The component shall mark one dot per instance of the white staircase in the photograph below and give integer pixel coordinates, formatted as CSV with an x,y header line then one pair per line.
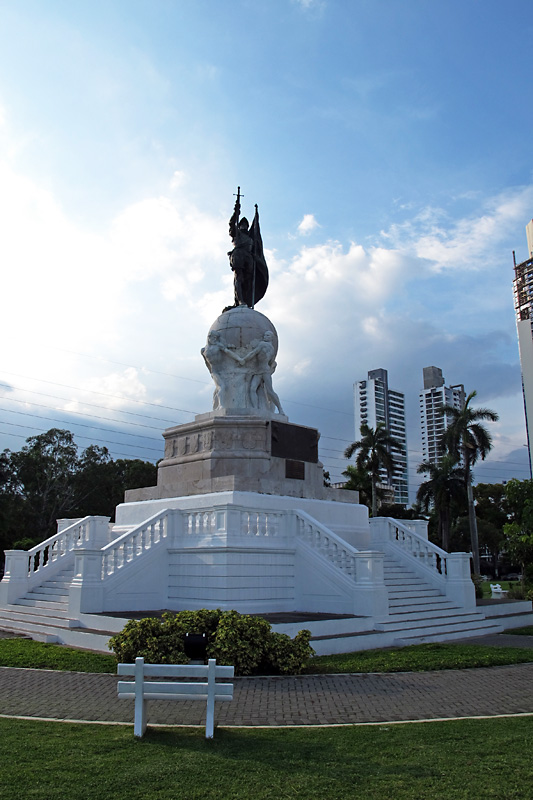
x,y
42,615
403,591
419,613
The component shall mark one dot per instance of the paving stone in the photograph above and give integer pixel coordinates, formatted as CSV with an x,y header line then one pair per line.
x,y
306,700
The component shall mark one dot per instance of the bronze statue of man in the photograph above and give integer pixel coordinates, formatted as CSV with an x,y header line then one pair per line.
x,y
247,259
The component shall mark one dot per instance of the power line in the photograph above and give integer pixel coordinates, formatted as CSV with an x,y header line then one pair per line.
x,y
79,424
103,394
85,438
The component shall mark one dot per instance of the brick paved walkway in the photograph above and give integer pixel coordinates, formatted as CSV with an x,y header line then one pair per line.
x,y
304,700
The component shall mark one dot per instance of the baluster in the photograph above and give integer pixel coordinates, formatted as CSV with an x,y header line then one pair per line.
x,y
251,524
272,523
262,525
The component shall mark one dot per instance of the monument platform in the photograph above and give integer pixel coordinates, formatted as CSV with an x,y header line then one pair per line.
x,y
237,450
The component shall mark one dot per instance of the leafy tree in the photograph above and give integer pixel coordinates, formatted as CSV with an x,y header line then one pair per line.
x,y
444,486
359,481
466,438
397,511
41,474
519,530
374,454
492,513
47,480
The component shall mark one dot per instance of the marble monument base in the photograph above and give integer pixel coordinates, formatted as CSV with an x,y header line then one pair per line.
x,y
236,450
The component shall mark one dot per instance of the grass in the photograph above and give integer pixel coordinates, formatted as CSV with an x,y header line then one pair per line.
x,y
415,658
456,760
38,655
421,658
526,631
506,585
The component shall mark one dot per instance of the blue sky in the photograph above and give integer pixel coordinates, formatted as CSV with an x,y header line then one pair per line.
x,y
386,142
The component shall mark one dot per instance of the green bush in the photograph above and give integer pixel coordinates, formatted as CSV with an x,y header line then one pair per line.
x,y
26,543
246,642
516,592
477,580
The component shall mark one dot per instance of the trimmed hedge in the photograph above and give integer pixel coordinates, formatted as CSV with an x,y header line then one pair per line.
x,y
246,642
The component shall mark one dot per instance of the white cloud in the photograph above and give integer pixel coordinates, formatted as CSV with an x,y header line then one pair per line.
x,y
464,243
114,390
307,224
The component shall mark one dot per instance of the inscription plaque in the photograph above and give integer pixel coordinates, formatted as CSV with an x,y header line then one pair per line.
x,y
294,442
295,469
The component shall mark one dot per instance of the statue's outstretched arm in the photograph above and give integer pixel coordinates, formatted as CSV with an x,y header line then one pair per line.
x,y
236,358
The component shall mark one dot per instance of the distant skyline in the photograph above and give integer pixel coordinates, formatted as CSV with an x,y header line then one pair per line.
x,y
387,145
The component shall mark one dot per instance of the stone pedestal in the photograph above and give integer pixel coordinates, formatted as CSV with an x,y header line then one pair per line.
x,y
235,450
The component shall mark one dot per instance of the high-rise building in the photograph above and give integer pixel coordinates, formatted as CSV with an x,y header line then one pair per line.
x,y
434,396
523,303
374,403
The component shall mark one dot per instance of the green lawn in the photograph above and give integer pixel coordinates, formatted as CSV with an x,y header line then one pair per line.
x,y
37,655
506,585
427,761
421,658
416,658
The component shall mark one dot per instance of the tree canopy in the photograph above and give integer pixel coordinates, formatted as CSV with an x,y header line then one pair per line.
x,y
466,438
373,454
48,479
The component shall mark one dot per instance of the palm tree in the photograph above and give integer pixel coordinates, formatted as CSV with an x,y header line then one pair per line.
x,y
446,484
374,454
466,438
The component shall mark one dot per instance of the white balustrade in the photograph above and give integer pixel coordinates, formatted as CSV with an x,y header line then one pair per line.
x,y
200,523
426,552
331,547
450,572
260,523
132,544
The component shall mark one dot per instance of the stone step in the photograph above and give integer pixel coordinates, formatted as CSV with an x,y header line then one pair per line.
x,y
44,603
403,603
422,612
407,592
14,616
51,591
405,583
437,627
423,638
56,584
422,621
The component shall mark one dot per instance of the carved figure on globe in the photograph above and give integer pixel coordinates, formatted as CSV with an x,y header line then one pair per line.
x,y
242,344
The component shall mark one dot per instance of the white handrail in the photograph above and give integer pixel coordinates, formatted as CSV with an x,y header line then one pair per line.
x,y
423,551
135,542
337,551
58,546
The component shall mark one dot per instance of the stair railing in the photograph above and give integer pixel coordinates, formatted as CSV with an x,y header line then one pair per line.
x,y
449,572
134,543
26,568
363,568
